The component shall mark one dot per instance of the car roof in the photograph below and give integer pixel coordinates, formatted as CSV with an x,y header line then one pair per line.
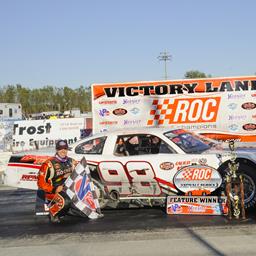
x,y
138,130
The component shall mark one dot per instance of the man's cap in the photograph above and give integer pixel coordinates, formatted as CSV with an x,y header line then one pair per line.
x,y
61,144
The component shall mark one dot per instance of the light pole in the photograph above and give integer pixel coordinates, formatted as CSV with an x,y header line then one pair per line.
x,y
165,56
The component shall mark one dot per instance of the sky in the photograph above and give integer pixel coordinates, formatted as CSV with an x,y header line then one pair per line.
x,y
80,42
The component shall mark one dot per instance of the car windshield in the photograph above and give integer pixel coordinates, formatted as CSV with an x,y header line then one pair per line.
x,y
187,141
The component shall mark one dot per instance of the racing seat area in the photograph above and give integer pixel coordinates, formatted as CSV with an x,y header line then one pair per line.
x,y
142,144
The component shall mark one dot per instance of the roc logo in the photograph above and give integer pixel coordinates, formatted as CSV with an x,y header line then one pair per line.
x,y
197,177
197,174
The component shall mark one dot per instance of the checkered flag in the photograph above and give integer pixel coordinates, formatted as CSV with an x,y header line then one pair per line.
x,y
80,189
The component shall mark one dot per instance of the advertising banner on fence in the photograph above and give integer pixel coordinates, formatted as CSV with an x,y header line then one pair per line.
x,y
35,134
222,108
6,130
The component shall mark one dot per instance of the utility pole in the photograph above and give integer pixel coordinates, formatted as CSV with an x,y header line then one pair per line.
x,y
165,56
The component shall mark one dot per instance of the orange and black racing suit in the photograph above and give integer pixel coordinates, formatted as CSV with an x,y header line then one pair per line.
x,y
52,174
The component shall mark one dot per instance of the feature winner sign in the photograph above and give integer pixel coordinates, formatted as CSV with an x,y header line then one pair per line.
x,y
221,108
197,205
195,181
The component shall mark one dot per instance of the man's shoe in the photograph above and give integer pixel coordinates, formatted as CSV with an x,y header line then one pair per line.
x,y
54,219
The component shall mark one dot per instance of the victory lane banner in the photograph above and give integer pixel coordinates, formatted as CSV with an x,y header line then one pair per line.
x,y
222,108
197,205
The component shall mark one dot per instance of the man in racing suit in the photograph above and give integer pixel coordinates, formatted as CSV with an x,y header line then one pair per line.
x,y
51,178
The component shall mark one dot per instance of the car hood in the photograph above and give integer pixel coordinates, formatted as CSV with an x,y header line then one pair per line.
x,y
245,150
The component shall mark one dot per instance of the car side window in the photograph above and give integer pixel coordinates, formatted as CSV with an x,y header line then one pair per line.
x,y
165,148
94,146
141,144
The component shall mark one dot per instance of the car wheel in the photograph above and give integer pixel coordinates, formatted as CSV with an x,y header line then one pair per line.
x,y
99,190
249,179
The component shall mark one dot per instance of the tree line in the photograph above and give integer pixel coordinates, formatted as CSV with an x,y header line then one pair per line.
x,y
50,98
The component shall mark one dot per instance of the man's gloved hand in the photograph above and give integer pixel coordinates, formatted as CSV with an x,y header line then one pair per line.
x,y
59,189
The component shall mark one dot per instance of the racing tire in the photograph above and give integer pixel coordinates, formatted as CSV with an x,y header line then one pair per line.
x,y
99,189
249,179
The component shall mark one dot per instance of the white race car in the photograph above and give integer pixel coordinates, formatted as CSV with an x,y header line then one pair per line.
x,y
139,166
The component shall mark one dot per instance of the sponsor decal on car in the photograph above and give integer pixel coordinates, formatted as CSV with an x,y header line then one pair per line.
x,y
202,161
35,159
249,127
249,105
120,112
197,177
166,166
29,177
183,163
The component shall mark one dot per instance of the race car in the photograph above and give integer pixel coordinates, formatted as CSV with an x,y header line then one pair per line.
x,y
139,165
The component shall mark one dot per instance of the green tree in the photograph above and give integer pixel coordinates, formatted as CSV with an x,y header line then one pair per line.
x,y
195,74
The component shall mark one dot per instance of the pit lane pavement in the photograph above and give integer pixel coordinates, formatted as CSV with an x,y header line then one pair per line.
x,y
121,232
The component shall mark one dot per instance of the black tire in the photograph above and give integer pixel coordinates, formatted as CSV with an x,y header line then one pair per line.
x,y
99,189
249,179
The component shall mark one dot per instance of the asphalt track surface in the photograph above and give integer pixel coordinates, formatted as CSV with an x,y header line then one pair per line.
x,y
126,232
17,219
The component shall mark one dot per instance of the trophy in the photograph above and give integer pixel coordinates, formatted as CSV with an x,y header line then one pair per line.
x,y
234,187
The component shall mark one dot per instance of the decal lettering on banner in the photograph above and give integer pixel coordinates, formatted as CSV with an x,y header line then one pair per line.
x,y
184,110
35,134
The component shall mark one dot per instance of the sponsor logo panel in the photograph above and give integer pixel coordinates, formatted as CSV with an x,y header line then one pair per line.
x,y
233,127
192,110
232,106
196,178
249,127
132,122
239,96
119,111
108,123
135,111
131,101
249,105
108,102
237,117
104,112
